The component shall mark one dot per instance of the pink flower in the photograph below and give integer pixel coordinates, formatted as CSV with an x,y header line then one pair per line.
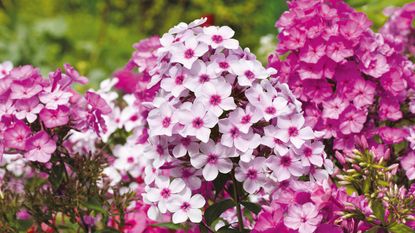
x,y
28,109
187,207
55,118
334,107
175,84
52,99
165,192
283,167
293,130
220,37
214,158
16,136
40,147
97,103
271,140
162,120
188,52
303,218
201,74
197,121
232,136
24,91
408,164
312,153
216,96
248,71
251,174
352,121
5,68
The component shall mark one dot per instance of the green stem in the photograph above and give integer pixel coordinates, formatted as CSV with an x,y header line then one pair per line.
x,y
238,203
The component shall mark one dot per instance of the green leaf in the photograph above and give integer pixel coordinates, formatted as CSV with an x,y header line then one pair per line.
x,y
56,176
373,229
254,208
94,204
378,210
214,211
227,230
220,182
109,230
366,186
400,228
168,225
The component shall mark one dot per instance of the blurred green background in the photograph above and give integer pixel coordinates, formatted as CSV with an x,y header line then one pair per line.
x,y
96,36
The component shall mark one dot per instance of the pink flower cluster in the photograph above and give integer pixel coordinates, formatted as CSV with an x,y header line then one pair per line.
x,y
399,30
214,111
36,112
349,79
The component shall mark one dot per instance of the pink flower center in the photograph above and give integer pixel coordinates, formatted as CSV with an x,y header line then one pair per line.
x,y
212,159
270,110
160,150
186,142
204,78
179,80
186,173
308,152
286,161
189,53
252,174
277,141
215,100
166,122
249,74
185,206
303,219
293,131
4,72
223,65
234,132
197,123
130,159
133,118
246,119
165,193
217,39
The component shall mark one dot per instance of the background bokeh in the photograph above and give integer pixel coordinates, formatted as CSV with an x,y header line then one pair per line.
x,y
96,36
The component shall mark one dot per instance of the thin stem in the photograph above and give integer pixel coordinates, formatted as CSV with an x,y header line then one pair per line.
x,y
238,205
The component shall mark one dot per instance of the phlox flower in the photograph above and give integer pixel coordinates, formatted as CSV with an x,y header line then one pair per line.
x,y
248,71
352,120
216,96
53,98
40,147
293,130
200,73
186,207
197,121
283,167
312,153
54,118
245,118
304,218
188,52
5,68
175,84
233,137
16,136
28,109
162,120
165,192
408,164
251,174
219,37
271,140
214,158
24,91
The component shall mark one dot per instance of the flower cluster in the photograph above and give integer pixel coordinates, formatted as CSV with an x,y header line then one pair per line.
x,y
35,111
399,30
214,112
350,79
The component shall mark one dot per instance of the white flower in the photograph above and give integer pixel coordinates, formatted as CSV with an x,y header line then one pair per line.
x,y
248,71
162,120
197,121
213,158
165,192
283,167
303,218
219,37
251,174
188,52
187,207
5,68
216,96
291,129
